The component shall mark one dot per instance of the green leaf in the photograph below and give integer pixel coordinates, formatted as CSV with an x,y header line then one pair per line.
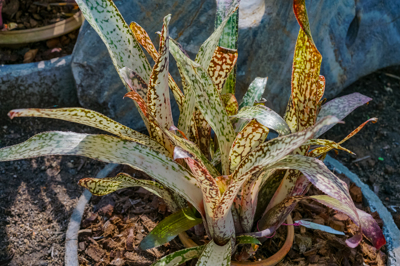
x,y
124,50
158,100
93,119
107,185
341,107
208,102
229,38
264,116
207,49
214,254
254,92
179,257
243,239
111,150
170,227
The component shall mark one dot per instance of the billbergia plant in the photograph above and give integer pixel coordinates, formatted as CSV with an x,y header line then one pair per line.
x,y
215,166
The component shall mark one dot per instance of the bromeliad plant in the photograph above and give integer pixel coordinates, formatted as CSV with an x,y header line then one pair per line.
x,y
231,180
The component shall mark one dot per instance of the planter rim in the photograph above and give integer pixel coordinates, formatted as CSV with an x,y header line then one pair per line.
x,y
271,261
41,33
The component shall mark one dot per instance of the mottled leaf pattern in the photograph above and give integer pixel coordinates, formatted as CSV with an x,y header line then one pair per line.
x,y
158,100
110,150
107,185
321,88
179,257
208,102
265,154
243,239
266,117
134,82
203,132
107,21
299,9
254,92
341,107
207,49
327,144
214,254
143,38
221,64
231,104
93,119
170,227
251,136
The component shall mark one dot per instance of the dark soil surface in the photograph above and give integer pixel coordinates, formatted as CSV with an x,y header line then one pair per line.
x,y
377,146
37,196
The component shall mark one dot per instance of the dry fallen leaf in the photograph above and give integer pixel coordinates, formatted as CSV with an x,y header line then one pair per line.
x,y
30,55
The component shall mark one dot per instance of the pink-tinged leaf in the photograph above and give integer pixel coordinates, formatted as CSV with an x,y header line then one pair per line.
x,y
319,175
323,150
107,185
369,226
254,92
138,100
221,64
264,116
93,119
251,136
158,100
208,102
143,38
265,154
231,104
134,82
111,149
207,49
341,107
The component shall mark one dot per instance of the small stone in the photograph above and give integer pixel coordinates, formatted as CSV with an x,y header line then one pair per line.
x,y
33,22
37,17
303,242
53,43
389,169
340,217
355,193
70,165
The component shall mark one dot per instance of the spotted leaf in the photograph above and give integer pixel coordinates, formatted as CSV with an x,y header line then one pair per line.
x,y
214,254
221,64
179,257
231,104
254,92
327,144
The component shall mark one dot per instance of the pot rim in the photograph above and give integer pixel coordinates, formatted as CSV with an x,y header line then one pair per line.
x,y
41,33
271,261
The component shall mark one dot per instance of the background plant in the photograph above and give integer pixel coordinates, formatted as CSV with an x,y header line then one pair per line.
x,y
215,166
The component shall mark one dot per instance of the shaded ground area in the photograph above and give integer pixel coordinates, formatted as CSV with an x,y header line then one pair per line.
x,y
377,146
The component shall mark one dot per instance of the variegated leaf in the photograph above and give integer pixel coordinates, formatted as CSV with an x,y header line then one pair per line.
x,y
319,175
179,257
140,102
107,21
143,38
327,144
251,136
158,100
216,159
111,150
300,12
321,88
134,82
368,225
170,227
244,239
341,107
214,254
208,102
231,104
190,147
221,64
254,92
107,185
265,154
229,38
203,132
323,150
207,49
264,116
93,119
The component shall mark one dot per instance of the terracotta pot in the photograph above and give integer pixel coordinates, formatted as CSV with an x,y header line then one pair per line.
x,y
271,261
12,38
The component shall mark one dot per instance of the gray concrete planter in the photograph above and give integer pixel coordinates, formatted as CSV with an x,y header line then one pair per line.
x,y
390,230
41,85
